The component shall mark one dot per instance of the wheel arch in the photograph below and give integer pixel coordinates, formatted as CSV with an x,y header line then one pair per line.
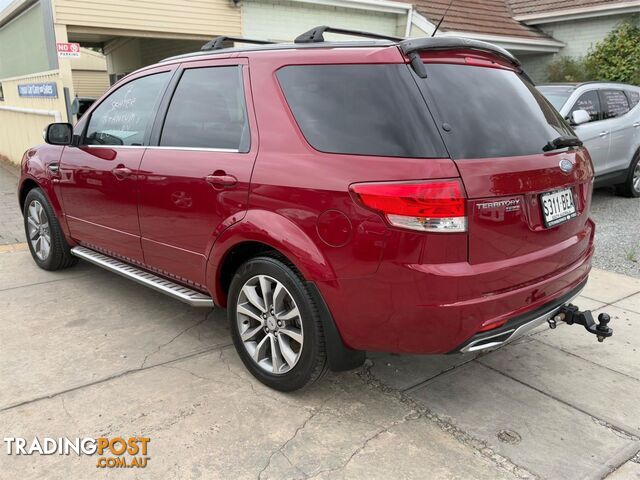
x,y
249,238
258,232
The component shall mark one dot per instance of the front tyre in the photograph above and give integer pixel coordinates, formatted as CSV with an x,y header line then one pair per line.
x,y
46,241
275,324
631,186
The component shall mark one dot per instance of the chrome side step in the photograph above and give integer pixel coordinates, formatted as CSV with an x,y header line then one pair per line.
x,y
179,292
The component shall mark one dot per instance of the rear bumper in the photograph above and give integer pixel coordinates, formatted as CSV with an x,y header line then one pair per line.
x,y
405,309
518,326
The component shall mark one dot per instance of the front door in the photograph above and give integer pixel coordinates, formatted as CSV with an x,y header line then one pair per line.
x,y
98,182
594,134
194,181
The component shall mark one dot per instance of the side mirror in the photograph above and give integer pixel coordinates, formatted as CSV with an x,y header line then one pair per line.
x,y
578,117
59,134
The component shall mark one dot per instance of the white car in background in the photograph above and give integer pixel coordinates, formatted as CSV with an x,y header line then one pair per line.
x,y
606,117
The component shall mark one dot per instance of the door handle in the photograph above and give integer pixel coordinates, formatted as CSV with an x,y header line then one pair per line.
x,y
637,124
221,180
54,167
603,134
121,172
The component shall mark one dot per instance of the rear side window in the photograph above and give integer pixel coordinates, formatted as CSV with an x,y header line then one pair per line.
x,y
590,102
208,110
634,98
491,112
361,109
614,103
124,116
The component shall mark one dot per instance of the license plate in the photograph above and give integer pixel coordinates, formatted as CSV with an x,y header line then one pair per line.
x,y
557,207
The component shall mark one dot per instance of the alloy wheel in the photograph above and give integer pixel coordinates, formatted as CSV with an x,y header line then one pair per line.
x,y
38,229
635,182
269,324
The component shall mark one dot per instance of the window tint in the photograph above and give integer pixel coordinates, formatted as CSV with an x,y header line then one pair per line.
x,y
590,102
634,97
492,112
361,109
614,103
123,117
208,110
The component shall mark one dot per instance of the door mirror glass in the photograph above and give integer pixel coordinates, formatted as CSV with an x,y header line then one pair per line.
x,y
59,134
578,117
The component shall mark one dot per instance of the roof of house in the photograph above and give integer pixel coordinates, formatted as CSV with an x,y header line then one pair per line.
x,y
526,7
490,17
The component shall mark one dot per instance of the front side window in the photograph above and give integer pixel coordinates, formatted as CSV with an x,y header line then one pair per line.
x,y
590,102
124,116
208,110
361,110
614,103
491,112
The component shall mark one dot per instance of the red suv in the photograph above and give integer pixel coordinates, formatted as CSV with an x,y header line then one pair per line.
x,y
410,196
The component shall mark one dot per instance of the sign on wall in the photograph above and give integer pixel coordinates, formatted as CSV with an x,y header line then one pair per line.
x,y
68,50
40,90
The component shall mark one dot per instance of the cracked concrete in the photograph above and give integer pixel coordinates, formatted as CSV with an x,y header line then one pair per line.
x,y
94,354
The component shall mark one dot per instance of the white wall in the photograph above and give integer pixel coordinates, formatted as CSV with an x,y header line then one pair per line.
x,y
283,20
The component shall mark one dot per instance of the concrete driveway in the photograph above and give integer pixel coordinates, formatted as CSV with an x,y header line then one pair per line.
x,y
85,353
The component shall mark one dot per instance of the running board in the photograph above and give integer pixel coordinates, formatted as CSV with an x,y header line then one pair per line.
x,y
179,292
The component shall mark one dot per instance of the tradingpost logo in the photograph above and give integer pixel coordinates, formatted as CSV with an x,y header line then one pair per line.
x,y
115,452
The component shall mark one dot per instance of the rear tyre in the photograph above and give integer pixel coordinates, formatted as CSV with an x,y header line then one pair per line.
x,y
275,324
46,241
631,186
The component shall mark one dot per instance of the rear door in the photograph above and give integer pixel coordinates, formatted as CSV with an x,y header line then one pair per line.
x,y
496,126
99,178
594,134
195,175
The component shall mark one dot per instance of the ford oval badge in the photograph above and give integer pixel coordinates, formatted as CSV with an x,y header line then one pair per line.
x,y
566,165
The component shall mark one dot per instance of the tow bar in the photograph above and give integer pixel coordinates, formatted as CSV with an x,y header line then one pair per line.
x,y
570,314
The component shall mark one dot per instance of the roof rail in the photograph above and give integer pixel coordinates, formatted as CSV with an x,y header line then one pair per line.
x,y
217,43
316,34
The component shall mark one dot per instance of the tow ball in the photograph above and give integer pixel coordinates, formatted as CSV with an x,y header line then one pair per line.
x,y
570,314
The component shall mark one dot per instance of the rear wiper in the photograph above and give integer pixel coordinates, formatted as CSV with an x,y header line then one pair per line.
x,y
561,142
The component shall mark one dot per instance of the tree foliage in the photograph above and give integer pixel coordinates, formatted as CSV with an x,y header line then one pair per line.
x,y
616,58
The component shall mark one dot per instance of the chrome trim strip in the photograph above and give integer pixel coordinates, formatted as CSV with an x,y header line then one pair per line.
x,y
162,285
482,345
156,147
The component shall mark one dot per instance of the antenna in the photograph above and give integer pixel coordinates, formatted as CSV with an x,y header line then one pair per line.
x,y
444,15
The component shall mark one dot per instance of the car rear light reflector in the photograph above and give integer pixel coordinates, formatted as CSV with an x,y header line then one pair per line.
x,y
427,206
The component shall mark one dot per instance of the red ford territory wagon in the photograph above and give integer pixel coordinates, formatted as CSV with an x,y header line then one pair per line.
x,y
410,196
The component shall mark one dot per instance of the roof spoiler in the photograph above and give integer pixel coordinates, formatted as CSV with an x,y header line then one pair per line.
x,y
412,46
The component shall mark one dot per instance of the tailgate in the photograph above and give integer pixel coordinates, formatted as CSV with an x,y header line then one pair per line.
x,y
506,220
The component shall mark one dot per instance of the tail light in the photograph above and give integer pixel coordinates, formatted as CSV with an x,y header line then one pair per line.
x,y
426,206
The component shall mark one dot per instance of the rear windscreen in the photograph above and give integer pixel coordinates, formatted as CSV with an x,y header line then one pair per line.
x,y
361,109
491,112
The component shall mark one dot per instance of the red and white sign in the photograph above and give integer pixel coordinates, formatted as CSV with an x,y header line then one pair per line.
x,y
68,50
